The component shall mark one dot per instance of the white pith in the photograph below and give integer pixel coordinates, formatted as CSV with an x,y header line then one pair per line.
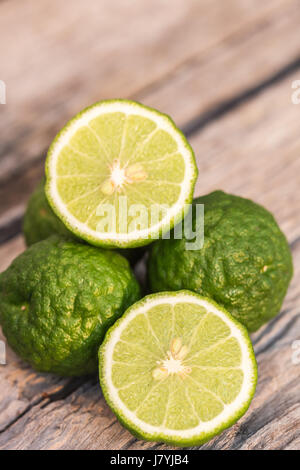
x,y
173,363
163,123
118,176
229,410
122,175
173,366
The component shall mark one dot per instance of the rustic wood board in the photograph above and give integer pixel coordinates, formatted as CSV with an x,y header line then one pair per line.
x,y
243,145
215,60
252,150
86,51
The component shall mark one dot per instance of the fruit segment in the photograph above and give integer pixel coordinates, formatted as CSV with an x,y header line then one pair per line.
x,y
120,174
177,368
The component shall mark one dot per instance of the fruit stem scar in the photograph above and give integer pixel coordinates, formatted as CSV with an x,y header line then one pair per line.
x,y
173,364
119,176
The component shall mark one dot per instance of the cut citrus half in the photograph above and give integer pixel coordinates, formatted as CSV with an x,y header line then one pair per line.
x,y
177,368
120,174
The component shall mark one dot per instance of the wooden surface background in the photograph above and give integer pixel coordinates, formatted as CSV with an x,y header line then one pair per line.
x,y
223,71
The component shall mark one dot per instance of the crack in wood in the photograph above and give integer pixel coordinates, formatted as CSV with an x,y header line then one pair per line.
x,y
281,333
10,229
226,106
287,443
72,386
294,244
46,399
129,443
36,402
271,325
264,415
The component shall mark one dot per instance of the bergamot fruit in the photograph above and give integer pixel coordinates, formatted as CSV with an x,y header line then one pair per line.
x,y
120,174
57,300
41,222
245,263
177,368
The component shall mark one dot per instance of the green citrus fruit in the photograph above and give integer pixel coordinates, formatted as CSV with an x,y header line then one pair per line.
x,y
41,222
177,368
120,174
245,263
58,298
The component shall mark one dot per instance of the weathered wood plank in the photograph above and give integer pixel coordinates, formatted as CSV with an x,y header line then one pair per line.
x,y
10,250
86,51
252,151
245,59
83,421
58,42
212,72
20,386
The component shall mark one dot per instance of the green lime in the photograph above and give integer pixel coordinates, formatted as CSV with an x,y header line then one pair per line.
x,y
57,300
177,368
245,263
41,222
120,174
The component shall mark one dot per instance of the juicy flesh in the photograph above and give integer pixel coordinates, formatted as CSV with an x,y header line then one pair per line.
x,y
177,366
117,155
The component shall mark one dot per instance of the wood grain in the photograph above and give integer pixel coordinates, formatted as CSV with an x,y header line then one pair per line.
x,y
253,151
243,61
86,51
212,49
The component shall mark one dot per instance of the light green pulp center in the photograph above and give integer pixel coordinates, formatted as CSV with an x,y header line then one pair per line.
x,y
113,156
177,366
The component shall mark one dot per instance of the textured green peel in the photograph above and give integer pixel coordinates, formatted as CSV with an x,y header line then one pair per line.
x,y
58,298
245,263
40,222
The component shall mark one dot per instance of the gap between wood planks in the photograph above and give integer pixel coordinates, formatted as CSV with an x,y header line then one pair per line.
x,y
235,54
9,229
45,399
170,39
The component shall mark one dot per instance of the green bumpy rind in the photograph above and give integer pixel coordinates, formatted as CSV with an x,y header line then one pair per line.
x,y
57,300
40,222
245,263
180,442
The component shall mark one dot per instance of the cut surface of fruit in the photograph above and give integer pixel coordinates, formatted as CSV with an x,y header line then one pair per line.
x,y
177,368
120,174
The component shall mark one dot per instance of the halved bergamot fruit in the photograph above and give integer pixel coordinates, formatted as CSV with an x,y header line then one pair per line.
x,y
120,174
177,368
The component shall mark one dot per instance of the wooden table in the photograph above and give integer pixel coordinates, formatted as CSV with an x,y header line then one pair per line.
x,y
224,72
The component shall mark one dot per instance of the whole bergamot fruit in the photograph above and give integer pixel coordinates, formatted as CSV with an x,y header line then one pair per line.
x,y
245,263
57,300
41,222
